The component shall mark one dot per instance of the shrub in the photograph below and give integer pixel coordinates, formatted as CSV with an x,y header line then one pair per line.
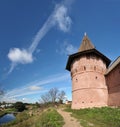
x,y
19,106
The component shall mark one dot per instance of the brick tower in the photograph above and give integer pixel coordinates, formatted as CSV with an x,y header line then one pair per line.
x,y
87,68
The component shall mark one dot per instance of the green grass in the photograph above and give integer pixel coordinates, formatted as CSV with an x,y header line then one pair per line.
x,y
2,113
5,111
47,118
50,118
97,117
10,110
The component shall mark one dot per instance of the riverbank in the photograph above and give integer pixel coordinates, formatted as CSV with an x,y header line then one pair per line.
x,y
7,111
2,113
39,118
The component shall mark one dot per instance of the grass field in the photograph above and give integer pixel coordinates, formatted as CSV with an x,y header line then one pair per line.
x,y
2,113
47,118
97,117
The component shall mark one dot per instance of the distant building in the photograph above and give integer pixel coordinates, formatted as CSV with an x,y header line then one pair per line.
x,y
94,82
68,102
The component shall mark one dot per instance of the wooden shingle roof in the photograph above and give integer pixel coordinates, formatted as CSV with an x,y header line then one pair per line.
x,y
86,47
86,44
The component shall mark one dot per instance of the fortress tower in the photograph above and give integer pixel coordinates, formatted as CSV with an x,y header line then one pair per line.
x,y
88,67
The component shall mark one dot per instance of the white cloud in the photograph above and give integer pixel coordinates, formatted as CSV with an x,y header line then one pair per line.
x,y
35,87
59,17
17,55
67,48
62,19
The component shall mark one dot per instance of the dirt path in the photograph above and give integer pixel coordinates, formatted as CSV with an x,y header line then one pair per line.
x,y
69,121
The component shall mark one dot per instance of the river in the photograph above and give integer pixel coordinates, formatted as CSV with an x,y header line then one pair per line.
x,y
7,118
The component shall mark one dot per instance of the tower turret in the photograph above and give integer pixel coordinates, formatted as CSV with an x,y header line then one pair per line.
x,y
87,68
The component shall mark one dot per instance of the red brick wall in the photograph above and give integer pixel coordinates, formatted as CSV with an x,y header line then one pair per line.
x,y
113,82
88,82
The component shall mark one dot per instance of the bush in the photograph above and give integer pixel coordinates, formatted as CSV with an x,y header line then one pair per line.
x,y
19,106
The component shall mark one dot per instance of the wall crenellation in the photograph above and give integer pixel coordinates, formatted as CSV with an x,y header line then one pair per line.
x,y
85,64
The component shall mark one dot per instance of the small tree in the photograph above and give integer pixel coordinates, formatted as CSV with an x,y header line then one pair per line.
x,y
37,104
45,98
61,97
53,94
20,106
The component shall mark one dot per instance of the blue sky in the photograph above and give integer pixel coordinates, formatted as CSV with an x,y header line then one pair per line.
x,y
36,37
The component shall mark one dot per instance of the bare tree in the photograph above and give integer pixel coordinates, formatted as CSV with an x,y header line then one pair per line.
x,y
53,94
45,98
61,96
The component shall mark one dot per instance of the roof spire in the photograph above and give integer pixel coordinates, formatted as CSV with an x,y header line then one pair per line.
x,y
86,44
85,34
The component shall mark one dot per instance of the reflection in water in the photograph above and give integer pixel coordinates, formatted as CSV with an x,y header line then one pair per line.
x,y
7,118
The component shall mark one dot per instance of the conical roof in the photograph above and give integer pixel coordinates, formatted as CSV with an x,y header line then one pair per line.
x,y
86,44
86,47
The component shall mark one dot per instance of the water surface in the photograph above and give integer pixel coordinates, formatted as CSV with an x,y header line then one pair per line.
x,y
7,118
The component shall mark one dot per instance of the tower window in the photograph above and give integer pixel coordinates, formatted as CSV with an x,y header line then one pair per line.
x,y
75,70
88,57
84,68
94,67
93,56
76,79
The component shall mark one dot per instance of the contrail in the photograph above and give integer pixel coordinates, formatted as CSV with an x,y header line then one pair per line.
x,y
41,33
52,21
58,17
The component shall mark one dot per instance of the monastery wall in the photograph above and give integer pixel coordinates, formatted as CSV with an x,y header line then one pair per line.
x,y
113,82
